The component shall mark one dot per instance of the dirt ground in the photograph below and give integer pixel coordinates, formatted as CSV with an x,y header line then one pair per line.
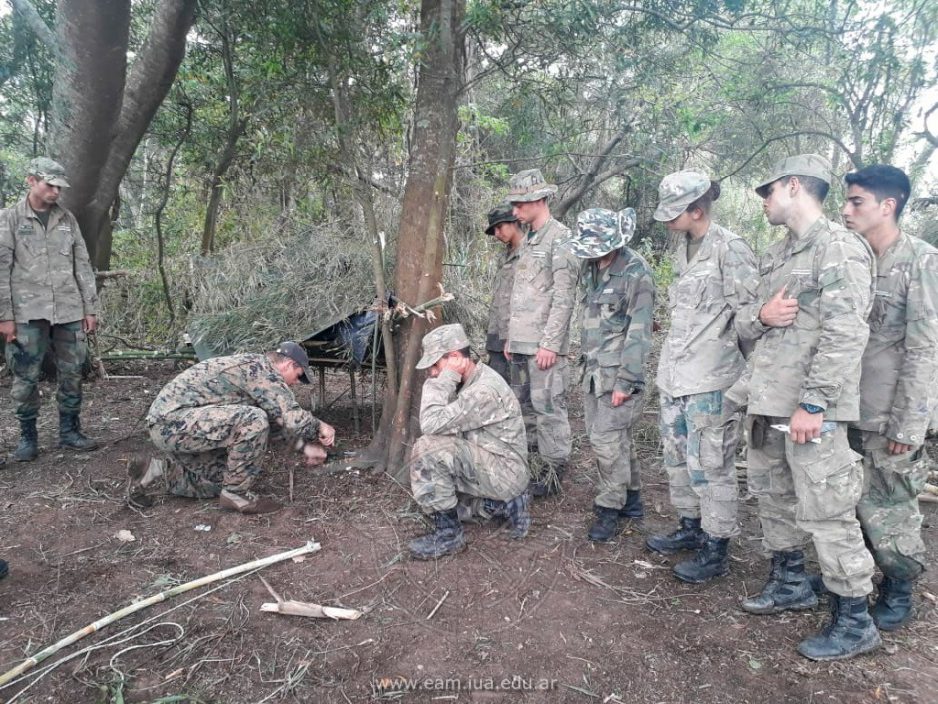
x,y
551,618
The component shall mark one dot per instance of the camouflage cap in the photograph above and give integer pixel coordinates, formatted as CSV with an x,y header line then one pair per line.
x,y
529,185
498,215
52,172
677,191
439,341
801,165
600,231
296,352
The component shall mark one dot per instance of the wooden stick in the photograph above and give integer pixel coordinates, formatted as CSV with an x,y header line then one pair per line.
x,y
438,605
310,547
289,607
928,498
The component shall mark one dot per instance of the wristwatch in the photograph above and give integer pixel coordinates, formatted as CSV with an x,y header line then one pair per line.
x,y
811,408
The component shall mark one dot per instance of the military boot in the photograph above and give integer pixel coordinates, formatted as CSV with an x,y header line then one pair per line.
x,y
850,632
548,483
142,473
606,524
688,536
28,448
708,562
247,502
518,513
787,589
634,508
70,434
4,569
893,607
446,539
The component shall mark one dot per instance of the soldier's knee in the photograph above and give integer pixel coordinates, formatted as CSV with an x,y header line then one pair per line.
x,y
252,422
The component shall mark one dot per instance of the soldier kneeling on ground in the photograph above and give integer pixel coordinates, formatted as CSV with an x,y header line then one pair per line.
x,y
473,445
212,423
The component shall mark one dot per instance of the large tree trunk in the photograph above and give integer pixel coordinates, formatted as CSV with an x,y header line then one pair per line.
x,y
419,270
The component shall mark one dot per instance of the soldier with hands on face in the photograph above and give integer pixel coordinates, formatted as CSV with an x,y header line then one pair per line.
x,y
715,276
897,386
618,304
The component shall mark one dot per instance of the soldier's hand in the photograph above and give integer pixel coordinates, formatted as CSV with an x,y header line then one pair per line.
x,y
779,312
618,398
897,448
8,330
545,359
89,323
326,434
804,426
314,453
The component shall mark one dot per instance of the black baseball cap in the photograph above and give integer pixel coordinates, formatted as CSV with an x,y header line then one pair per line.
x,y
297,354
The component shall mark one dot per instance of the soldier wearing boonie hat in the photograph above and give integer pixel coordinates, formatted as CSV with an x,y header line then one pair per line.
x,y
473,445
503,226
542,298
715,276
47,296
618,302
810,318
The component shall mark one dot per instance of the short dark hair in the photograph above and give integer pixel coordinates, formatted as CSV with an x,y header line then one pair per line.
x,y
883,181
813,185
705,202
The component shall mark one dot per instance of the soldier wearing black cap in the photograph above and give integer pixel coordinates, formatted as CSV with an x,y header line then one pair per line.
x,y
503,226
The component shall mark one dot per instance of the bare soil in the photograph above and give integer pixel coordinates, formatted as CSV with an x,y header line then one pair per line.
x,y
551,618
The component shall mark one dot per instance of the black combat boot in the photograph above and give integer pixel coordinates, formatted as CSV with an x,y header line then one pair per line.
x,y
688,537
70,434
28,449
518,513
4,569
634,508
446,539
606,524
893,607
708,562
787,589
850,632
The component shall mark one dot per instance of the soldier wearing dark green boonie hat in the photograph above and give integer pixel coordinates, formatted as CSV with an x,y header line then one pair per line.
x,y
504,227
473,449
618,301
47,297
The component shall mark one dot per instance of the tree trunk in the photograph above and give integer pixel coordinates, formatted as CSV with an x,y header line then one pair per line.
x,y
419,270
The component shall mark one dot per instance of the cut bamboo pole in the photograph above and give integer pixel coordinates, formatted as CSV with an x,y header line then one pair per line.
x,y
289,607
310,547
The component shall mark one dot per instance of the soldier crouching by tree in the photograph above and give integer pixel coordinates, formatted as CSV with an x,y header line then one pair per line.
x,y
473,444
212,422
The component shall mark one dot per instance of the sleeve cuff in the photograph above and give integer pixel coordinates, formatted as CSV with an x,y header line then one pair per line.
x,y
814,400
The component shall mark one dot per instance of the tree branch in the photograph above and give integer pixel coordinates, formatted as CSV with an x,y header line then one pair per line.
x,y
34,21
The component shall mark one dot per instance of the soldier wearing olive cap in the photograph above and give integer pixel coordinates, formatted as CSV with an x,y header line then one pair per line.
x,y
715,276
504,227
47,296
542,298
473,445
810,321
618,303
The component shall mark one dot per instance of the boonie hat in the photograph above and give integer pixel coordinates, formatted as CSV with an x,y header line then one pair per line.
x,y
677,191
298,355
498,215
600,231
529,185
439,341
52,172
802,165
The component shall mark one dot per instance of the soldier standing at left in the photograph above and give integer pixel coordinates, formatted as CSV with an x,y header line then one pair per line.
x,y
47,294
618,303
503,226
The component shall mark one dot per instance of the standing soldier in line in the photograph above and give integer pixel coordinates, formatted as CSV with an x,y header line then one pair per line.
x,y
47,294
896,386
618,302
716,275
473,445
503,225
814,297
542,300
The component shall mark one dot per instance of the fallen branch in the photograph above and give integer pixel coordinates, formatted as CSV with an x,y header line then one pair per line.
x,y
310,547
289,607
928,498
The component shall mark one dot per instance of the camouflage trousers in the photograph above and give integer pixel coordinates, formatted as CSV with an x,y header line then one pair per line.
x,y
442,466
543,399
610,432
888,509
212,448
699,453
811,491
24,358
499,362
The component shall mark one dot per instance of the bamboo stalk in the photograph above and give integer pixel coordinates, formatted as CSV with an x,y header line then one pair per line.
x,y
310,547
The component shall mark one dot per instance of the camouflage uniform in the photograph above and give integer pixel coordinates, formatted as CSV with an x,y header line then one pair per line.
x,y
473,441
47,287
500,313
897,389
810,491
213,421
700,358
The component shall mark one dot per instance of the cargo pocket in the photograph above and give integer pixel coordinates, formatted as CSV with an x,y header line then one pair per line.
x,y
832,484
711,445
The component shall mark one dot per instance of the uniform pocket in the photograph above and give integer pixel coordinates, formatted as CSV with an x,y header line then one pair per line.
x,y
711,446
833,481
